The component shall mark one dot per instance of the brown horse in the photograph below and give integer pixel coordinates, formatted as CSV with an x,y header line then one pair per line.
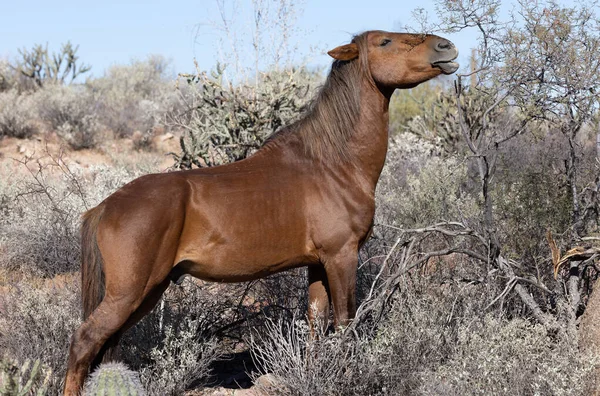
x,y
306,198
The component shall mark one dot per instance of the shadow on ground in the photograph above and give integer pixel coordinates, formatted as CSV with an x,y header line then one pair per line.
x,y
231,371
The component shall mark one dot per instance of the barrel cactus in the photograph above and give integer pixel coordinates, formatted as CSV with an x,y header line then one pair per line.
x,y
113,379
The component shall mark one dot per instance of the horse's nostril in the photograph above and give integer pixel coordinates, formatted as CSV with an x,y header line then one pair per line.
x,y
443,45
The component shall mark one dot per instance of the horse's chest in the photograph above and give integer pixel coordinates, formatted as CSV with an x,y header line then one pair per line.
x,y
341,216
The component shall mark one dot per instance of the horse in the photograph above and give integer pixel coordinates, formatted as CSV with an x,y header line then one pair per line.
x,y
306,198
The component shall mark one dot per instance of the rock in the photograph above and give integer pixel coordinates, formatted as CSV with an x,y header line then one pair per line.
x,y
266,381
166,136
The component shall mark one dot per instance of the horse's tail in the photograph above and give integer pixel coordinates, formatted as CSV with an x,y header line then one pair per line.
x,y
92,277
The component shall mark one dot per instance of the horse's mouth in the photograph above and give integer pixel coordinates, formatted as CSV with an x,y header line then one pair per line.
x,y
447,67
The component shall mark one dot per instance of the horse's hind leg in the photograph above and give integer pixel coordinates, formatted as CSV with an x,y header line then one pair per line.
x,y
318,300
91,336
108,352
116,312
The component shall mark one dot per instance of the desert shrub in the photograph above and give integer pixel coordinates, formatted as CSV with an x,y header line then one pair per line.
x,y
531,192
37,322
182,360
6,76
498,356
142,141
134,97
298,366
419,187
174,346
434,340
70,111
199,322
39,231
17,113
196,303
225,122
416,335
283,294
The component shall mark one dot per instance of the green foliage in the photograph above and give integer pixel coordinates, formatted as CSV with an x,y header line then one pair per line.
x,y
43,68
226,122
406,104
113,379
27,379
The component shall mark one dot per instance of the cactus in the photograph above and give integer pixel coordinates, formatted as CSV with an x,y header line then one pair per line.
x,y
440,123
23,380
113,379
226,122
59,68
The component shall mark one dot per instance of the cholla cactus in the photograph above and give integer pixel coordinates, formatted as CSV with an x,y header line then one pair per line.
x,y
24,380
113,379
226,122
441,125
59,68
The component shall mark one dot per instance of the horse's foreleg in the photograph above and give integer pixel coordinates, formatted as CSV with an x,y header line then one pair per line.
x,y
341,275
318,300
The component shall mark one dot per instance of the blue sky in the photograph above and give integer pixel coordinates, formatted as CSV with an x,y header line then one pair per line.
x,y
114,32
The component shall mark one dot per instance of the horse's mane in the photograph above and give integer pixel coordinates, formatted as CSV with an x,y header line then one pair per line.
x,y
327,125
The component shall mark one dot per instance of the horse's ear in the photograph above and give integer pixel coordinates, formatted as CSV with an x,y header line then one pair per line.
x,y
344,52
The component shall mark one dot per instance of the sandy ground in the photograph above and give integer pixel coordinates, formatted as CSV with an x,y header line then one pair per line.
x,y
114,152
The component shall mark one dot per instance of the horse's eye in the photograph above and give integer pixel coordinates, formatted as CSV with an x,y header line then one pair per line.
x,y
385,42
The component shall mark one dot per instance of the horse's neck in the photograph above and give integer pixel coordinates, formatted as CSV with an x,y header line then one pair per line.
x,y
369,141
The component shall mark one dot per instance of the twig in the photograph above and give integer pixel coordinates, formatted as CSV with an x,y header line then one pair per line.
x,y
511,283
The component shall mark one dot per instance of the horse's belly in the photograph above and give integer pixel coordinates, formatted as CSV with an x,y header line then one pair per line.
x,y
244,256
228,266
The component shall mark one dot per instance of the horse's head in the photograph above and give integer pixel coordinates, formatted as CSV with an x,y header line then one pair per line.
x,y
400,60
